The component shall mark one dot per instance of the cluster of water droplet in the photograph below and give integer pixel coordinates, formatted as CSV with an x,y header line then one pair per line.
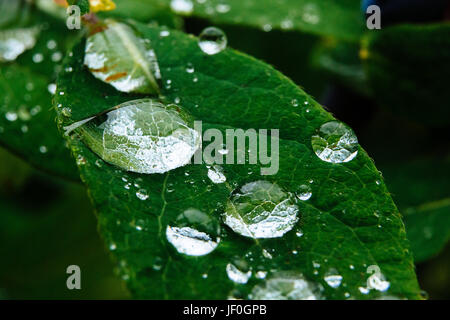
x,y
143,136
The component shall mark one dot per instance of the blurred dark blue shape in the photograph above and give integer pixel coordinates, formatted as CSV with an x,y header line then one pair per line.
x,y
413,11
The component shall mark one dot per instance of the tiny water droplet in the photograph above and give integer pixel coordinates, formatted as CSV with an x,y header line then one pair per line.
x,y
335,143
286,286
13,42
43,149
215,174
236,275
212,40
11,116
142,194
194,233
333,278
51,88
261,274
304,193
38,58
190,68
182,6
164,33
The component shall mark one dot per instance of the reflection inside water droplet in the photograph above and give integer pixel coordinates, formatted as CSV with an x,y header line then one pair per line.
x,y
335,143
260,209
212,40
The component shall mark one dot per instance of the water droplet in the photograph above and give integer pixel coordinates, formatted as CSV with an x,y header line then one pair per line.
x,y
261,274
190,68
223,8
11,116
286,286
195,233
38,58
212,40
311,14
267,27
237,275
130,65
287,24
294,102
377,280
14,42
266,254
51,44
56,56
142,136
333,278
335,143
112,247
304,193
43,149
142,194
364,290
51,88
260,209
164,33
182,6
215,174
299,233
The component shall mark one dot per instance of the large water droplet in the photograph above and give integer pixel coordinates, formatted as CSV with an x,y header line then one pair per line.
x,y
286,286
142,136
14,42
194,233
260,209
118,56
335,143
212,40
182,6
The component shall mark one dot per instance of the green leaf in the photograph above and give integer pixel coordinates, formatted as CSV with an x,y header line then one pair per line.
x,y
428,228
27,120
407,68
144,11
83,4
348,224
342,19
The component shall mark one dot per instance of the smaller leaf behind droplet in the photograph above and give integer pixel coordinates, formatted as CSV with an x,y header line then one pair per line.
x,y
118,56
